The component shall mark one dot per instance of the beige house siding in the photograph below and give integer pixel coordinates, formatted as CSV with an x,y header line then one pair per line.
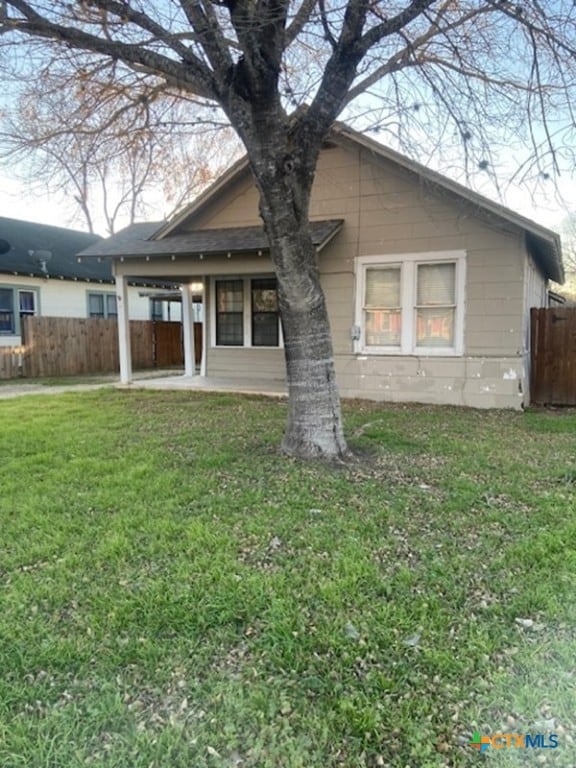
x,y
401,216
476,382
388,210
242,363
237,208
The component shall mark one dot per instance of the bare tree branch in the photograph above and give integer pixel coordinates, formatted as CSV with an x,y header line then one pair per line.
x,y
538,91
302,17
193,76
203,19
397,23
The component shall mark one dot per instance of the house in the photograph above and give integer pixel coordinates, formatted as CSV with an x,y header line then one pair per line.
x,y
429,285
41,274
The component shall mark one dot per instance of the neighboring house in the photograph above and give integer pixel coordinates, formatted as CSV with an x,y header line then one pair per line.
x,y
41,274
429,285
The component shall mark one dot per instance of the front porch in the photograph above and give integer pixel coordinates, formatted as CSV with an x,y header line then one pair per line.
x,y
240,339
209,384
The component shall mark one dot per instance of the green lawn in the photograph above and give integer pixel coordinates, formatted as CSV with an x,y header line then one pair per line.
x,y
176,594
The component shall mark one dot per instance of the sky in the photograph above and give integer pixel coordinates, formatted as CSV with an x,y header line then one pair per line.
x,y
549,208
18,202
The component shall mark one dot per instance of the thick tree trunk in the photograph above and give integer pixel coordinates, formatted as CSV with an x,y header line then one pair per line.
x,y
314,428
284,171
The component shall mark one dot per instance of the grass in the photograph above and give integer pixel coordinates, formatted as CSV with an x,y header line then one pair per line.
x,y
176,594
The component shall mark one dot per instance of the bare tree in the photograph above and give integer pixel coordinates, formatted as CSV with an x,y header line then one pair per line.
x,y
568,234
473,68
106,148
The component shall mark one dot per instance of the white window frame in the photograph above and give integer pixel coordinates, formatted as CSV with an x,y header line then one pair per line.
x,y
246,314
408,264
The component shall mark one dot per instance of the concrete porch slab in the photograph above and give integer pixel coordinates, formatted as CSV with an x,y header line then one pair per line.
x,y
210,384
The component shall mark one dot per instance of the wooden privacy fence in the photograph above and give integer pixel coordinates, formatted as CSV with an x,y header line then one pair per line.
x,y
61,346
11,362
168,349
553,356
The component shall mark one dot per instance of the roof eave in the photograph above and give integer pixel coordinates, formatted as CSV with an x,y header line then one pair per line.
x,y
548,250
330,236
546,253
539,232
167,249
55,276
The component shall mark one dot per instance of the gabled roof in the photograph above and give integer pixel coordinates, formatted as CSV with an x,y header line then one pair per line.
x,y
544,244
133,241
163,238
235,170
41,250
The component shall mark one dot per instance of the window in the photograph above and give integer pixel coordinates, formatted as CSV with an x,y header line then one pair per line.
x,y
102,305
382,307
95,305
111,305
230,313
167,309
265,330
156,309
7,324
27,302
15,303
435,304
411,304
246,312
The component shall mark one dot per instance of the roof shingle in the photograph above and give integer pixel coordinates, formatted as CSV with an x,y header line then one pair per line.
x,y
28,241
133,241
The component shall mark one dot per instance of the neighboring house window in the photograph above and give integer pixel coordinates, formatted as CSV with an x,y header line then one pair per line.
x,y
111,305
230,313
246,312
411,304
102,305
156,309
7,321
11,298
27,301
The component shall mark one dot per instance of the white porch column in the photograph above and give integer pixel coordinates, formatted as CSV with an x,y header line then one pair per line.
x,y
123,330
188,328
204,326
